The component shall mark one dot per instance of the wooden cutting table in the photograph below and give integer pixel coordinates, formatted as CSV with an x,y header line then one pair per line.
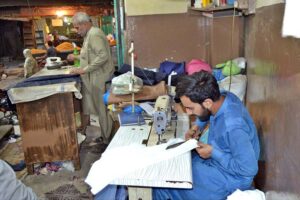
x,y
48,126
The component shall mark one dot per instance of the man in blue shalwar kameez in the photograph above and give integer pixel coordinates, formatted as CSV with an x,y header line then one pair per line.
x,y
229,160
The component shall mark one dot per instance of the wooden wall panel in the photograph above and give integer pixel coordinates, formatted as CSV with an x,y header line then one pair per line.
x,y
183,37
273,97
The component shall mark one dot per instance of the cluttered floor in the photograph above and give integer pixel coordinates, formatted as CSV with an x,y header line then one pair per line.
x,y
56,180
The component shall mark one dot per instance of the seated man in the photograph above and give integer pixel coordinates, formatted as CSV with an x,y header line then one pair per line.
x,y
51,52
229,160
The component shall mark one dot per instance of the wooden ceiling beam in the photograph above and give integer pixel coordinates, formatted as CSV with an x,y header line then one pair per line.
x,y
66,10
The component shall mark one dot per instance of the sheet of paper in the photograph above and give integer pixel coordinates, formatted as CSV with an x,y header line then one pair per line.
x,y
147,107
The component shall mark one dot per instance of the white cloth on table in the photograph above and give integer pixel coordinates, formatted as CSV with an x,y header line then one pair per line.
x,y
117,162
247,195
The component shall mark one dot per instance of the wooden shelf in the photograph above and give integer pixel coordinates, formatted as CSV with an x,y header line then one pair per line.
x,y
210,9
217,12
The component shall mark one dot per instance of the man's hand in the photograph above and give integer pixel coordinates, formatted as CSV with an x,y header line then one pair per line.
x,y
192,134
204,150
76,71
71,57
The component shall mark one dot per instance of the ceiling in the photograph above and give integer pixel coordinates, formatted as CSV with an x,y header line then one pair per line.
x,y
54,3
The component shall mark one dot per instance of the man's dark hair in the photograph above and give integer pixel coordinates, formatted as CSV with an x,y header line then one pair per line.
x,y
50,43
198,87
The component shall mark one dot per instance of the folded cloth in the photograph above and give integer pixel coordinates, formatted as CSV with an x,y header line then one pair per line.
x,y
167,67
148,77
147,93
48,80
126,84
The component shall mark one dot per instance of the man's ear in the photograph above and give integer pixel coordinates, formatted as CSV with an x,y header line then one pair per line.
x,y
208,104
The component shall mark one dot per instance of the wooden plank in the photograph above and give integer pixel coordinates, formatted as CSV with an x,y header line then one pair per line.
x,y
48,129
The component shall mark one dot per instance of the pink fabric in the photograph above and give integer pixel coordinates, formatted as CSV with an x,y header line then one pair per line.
x,y
196,66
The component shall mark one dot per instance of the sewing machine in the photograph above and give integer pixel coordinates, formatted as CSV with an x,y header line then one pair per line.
x,y
162,116
178,173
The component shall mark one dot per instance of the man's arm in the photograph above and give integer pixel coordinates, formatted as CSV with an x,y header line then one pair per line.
x,y
11,187
241,160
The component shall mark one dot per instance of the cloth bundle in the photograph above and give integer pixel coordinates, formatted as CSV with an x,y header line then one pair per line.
x,y
148,92
126,84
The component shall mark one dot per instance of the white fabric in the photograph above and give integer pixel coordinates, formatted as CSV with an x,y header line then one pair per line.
x,y
291,18
117,162
247,195
240,62
238,85
27,94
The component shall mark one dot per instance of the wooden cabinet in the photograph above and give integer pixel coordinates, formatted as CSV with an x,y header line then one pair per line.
x,y
48,129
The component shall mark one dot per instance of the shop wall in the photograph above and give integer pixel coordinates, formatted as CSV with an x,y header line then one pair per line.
x,y
273,98
182,37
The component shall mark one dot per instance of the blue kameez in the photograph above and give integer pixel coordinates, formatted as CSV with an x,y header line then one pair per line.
x,y
233,164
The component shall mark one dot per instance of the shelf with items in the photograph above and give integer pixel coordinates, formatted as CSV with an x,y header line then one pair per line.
x,y
39,39
209,9
212,12
243,7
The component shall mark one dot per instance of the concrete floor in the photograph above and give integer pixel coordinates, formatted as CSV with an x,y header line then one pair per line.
x,y
89,152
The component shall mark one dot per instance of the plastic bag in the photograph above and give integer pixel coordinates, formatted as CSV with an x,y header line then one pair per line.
x,y
126,84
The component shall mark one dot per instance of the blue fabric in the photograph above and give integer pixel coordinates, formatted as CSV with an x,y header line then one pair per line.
x,y
233,163
51,52
105,97
137,109
230,2
204,136
218,74
112,192
167,67
200,123
148,77
48,80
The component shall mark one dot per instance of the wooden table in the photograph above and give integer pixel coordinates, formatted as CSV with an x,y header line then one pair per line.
x,y
48,128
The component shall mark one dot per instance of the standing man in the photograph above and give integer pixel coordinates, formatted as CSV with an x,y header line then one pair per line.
x,y
229,160
96,67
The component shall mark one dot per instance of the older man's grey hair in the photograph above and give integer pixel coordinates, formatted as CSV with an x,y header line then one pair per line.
x,y
81,17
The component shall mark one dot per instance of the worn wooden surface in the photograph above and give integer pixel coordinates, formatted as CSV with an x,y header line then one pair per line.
x,y
48,130
273,99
